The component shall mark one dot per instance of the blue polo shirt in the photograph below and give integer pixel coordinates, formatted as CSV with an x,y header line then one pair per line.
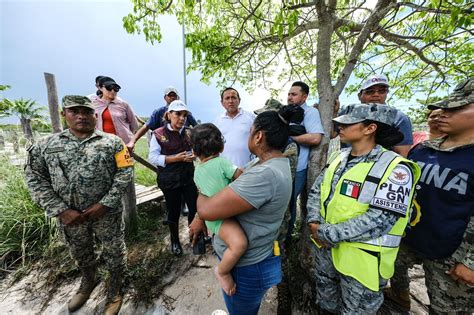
x,y
312,124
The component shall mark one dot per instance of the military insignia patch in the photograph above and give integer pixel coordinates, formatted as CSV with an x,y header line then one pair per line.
x,y
394,194
55,150
123,158
350,188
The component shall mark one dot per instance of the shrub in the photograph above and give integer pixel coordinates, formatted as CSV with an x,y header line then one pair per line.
x,y
25,231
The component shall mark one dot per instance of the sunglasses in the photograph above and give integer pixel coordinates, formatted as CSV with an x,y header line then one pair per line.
x,y
373,91
112,87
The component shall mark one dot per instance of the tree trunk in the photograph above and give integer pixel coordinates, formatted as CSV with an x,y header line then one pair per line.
x,y
302,255
26,126
53,102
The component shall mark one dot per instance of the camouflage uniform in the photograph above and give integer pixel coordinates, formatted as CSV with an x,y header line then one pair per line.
x,y
369,225
64,172
446,295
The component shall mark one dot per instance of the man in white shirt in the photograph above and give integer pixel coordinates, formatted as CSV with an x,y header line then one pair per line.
x,y
235,125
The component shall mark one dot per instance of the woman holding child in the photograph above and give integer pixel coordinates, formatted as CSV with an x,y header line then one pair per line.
x,y
256,200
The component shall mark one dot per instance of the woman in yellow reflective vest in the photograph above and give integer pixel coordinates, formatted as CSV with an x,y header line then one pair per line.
x,y
358,209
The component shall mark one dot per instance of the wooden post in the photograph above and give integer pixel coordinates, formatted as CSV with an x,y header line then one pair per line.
x,y
53,102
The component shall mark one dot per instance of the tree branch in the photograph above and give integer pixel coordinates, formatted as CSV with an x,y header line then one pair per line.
x,y
381,9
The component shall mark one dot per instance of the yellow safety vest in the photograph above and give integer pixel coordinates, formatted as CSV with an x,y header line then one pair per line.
x,y
352,258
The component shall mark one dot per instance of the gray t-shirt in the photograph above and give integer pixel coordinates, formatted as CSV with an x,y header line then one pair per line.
x,y
267,187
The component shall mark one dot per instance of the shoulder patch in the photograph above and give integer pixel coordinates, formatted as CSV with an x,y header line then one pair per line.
x,y
394,194
123,158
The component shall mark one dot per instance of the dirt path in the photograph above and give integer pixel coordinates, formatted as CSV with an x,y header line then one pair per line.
x,y
191,289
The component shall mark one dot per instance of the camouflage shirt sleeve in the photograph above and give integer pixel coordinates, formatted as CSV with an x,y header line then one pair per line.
x,y
464,254
314,201
122,177
39,183
371,224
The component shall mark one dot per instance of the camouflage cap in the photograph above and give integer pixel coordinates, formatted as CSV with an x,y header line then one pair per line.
x,y
356,113
270,104
463,94
70,101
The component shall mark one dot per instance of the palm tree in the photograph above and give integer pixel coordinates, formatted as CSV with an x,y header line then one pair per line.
x,y
26,110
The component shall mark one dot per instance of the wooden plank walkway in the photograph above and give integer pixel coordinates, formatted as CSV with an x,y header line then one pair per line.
x,y
147,193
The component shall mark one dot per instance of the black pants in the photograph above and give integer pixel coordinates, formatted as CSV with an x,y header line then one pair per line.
x,y
173,198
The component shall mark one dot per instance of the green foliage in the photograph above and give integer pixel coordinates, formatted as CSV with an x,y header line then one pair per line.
x,y
143,175
25,231
421,45
4,87
22,108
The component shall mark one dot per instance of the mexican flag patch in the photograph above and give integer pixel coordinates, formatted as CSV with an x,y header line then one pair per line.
x,y
350,188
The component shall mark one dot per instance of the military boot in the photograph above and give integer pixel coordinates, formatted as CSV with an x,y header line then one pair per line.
x,y
114,293
401,297
88,283
176,248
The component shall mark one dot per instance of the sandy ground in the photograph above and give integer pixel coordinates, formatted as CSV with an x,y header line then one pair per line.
x,y
192,289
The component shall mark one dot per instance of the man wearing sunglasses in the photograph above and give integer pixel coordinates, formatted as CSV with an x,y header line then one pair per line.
x,y
375,90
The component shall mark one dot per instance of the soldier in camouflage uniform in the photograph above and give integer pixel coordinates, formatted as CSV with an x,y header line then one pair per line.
x,y
346,216
291,152
79,176
443,238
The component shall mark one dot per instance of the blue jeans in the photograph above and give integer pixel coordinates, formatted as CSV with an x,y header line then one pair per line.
x,y
252,282
300,181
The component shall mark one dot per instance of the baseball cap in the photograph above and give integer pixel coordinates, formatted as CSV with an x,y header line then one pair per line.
x,y
70,101
356,113
107,81
374,80
270,104
463,94
170,89
177,106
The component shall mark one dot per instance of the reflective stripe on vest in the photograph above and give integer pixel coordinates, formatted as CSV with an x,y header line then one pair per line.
x,y
385,241
372,180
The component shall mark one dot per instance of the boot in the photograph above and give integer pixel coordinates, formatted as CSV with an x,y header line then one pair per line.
x,y
176,248
114,293
184,209
400,297
284,299
88,283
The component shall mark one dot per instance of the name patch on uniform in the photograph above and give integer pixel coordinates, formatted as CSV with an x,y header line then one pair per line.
x,y
350,188
55,150
123,158
394,194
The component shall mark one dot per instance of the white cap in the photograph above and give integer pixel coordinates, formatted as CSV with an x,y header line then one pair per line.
x,y
374,80
170,89
177,106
